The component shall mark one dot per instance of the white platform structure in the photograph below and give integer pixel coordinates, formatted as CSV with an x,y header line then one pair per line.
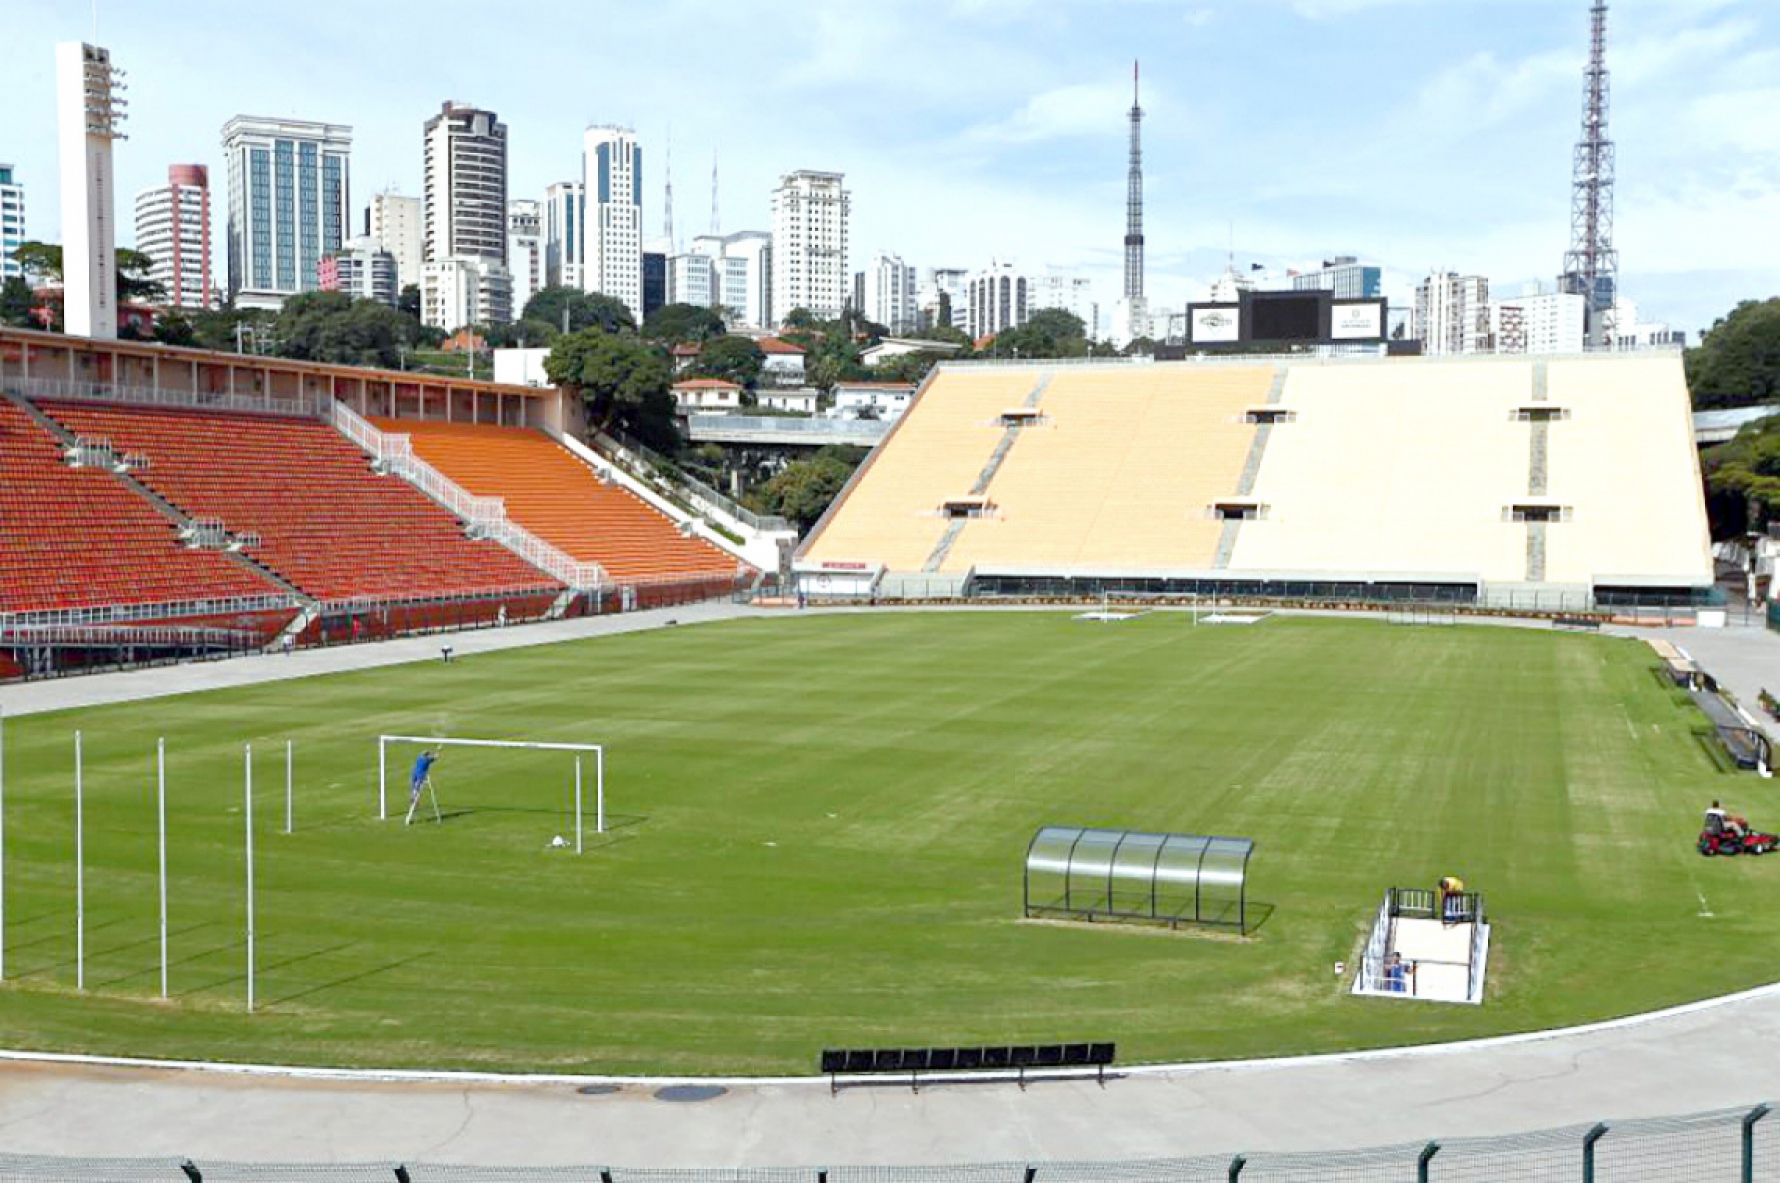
x,y
1442,944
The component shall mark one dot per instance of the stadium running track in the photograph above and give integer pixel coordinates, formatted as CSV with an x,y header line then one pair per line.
x,y
1704,1056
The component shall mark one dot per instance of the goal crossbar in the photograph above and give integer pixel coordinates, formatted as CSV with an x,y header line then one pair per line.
x,y
598,751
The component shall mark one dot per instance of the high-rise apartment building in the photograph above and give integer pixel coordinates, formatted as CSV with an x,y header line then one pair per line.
x,y
290,189
173,230
1071,293
88,113
612,229
811,211
399,223
364,269
564,213
944,299
463,290
1452,314
888,297
1345,276
999,299
748,279
12,222
1549,322
466,184
525,250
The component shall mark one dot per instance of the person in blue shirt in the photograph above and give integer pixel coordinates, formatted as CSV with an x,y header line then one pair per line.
x,y
417,780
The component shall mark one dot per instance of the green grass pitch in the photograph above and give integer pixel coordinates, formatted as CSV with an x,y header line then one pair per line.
x,y
819,823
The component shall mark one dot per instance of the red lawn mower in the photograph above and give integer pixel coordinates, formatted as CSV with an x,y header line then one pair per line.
x,y
1735,837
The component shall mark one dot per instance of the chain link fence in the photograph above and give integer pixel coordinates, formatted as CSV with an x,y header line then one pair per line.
x,y
1723,1146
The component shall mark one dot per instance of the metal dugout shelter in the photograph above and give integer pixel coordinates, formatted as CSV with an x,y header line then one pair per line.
x,y
1084,874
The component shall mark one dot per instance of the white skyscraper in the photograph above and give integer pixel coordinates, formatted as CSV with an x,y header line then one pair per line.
x,y
464,280
810,215
564,213
363,269
525,250
1452,314
612,237
12,222
748,279
398,223
290,191
890,293
1550,322
999,299
463,290
88,114
173,229
1071,293
944,299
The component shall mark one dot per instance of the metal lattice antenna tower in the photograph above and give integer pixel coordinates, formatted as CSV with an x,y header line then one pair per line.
x,y
667,203
716,222
1591,265
1134,201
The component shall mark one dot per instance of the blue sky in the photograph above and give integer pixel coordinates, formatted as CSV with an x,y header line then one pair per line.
x,y
1415,133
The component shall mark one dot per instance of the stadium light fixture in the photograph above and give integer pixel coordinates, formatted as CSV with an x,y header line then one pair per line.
x,y
191,1171
402,1174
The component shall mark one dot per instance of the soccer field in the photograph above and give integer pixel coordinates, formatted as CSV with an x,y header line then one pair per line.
x,y
818,825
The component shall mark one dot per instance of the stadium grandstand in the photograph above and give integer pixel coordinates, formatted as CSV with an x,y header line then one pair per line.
x,y
159,502
1474,480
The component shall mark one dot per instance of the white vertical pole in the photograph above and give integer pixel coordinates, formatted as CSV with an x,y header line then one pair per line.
x,y
577,804
382,780
2,846
161,817
289,782
80,875
248,790
599,776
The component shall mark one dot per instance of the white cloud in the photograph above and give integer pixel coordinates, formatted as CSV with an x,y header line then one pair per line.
x,y
1082,109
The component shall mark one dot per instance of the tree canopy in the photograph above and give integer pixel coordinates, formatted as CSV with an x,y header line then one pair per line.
x,y
585,310
622,380
1747,468
1048,332
803,490
334,327
734,359
682,323
42,262
1737,363
16,302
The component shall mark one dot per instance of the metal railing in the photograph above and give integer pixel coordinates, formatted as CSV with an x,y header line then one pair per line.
x,y
1725,1144
1371,971
485,516
262,404
138,613
669,479
859,432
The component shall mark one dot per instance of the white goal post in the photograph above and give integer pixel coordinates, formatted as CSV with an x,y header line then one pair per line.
x,y
598,751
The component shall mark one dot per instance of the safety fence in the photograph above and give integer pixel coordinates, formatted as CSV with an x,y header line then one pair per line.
x,y
1722,1146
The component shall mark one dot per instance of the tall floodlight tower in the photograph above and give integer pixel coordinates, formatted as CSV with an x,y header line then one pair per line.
x,y
1591,265
89,111
1134,203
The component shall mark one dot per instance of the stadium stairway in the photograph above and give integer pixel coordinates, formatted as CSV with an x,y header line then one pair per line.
x,y
87,537
327,523
560,498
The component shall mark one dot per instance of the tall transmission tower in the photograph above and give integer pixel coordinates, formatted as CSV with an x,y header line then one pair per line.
x,y
1591,265
1134,202
667,204
716,222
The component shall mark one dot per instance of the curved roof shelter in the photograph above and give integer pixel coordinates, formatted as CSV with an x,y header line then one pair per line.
x,y
1083,874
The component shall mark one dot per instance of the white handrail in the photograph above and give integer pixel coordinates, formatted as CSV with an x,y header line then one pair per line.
x,y
487,516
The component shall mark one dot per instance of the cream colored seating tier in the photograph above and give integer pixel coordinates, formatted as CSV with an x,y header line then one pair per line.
x,y
1122,474
892,516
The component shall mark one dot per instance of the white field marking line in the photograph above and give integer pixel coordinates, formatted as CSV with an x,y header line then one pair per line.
x,y
423,1076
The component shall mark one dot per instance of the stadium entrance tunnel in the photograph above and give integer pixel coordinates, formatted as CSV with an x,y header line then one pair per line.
x,y
1074,873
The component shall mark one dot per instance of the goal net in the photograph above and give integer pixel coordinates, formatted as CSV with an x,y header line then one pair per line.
x,y
430,778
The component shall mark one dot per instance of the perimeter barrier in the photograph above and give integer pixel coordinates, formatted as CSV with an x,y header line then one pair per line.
x,y
1723,1146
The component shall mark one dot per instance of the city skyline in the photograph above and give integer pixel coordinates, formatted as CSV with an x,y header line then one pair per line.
x,y
1296,130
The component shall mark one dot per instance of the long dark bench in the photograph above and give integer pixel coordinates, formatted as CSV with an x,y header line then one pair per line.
x,y
1585,623
1017,1058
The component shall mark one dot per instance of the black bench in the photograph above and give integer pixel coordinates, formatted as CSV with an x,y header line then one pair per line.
x,y
1018,1058
1590,624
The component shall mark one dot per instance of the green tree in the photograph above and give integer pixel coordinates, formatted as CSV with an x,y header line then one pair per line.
x,y
803,490
945,332
734,359
16,302
216,328
1049,332
334,327
408,302
1737,362
174,327
622,380
584,310
683,323
906,367
42,262
1746,469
